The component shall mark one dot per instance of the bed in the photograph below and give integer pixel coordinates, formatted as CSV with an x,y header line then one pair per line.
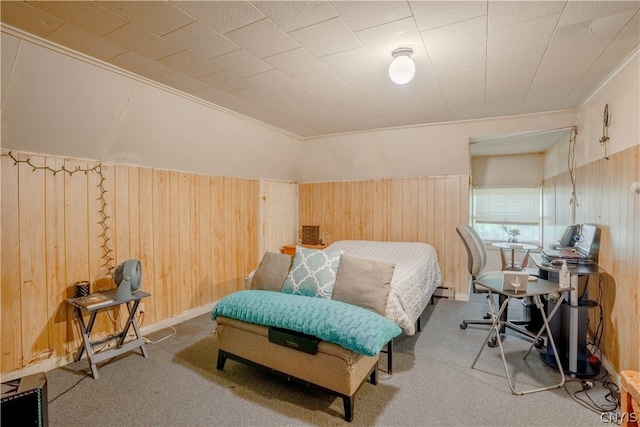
x,y
417,275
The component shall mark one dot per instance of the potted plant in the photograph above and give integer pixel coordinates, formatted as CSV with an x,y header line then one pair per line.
x,y
512,232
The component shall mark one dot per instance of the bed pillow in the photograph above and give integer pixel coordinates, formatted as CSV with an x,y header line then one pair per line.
x,y
271,272
364,282
313,273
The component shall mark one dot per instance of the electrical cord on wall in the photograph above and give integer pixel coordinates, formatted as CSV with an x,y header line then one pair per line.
x,y
571,165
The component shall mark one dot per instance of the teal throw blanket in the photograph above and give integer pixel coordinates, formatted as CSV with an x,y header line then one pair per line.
x,y
350,326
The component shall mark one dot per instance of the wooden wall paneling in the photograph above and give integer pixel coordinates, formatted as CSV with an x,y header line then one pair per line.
x,y
241,209
423,219
34,309
326,208
146,235
452,243
205,287
369,211
174,244
410,197
229,236
337,213
10,286
347,222
135,248
439,213
183,201
76,233
218,237
99,272
395,213
252,231
120,215
161,244
358,189
57,290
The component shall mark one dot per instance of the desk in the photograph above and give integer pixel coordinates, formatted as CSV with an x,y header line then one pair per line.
x,y
514,247
575,363
97,357
534,290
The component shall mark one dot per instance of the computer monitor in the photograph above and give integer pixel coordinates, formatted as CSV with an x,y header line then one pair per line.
x,y
589,241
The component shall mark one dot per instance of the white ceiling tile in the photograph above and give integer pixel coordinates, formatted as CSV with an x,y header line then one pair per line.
x,y
359,15
201,40
294,62
515,61
28,18
326,37
599,31
222,16
366,79
508,13
226,81
277,83
159,17
181,82
461,60
434,14
142,42
543,103
533,33
576,12
504,106
189,64
381,40
88,16
465,97
262,38
293,15
508,85
241,63
311,91
350,62
84,42
455,37
471,76
318,80
140,65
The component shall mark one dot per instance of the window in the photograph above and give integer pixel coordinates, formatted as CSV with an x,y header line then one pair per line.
x,y
497,210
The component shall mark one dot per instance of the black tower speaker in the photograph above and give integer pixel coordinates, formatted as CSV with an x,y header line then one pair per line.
x,y
24,401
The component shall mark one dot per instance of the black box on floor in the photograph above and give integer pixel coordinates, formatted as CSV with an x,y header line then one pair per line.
x,y
24,401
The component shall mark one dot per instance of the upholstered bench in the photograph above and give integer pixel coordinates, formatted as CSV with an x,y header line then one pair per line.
x,y
333,368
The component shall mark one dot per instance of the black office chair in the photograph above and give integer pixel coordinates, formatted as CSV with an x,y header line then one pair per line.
x,y
476,261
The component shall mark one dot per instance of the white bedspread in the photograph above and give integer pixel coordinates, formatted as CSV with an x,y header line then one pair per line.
x,y
415,278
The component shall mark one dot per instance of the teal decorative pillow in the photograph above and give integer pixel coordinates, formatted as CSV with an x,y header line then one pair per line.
x,y
313,273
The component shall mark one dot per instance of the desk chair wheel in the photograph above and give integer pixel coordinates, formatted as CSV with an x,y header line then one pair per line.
x,y
539,343
463,325
493,342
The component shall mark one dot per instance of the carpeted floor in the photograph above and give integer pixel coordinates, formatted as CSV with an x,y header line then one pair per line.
x,y
432,385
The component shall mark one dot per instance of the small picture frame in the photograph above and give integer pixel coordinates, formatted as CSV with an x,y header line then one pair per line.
x,y
515,281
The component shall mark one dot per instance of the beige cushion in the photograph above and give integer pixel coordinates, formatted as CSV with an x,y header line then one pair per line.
x,y
363,282
271,272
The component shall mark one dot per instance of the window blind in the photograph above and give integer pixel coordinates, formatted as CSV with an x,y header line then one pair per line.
x,y
506,205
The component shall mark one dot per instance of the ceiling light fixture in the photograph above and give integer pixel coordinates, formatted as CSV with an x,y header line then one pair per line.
x,y
402,69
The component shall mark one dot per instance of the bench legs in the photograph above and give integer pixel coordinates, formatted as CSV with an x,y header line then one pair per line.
x,y
346,400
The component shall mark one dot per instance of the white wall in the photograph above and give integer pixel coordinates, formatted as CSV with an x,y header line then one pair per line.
x,y
622,93
57,103
523,169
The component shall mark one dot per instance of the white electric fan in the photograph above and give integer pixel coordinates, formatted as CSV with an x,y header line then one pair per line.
x,y
127,276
